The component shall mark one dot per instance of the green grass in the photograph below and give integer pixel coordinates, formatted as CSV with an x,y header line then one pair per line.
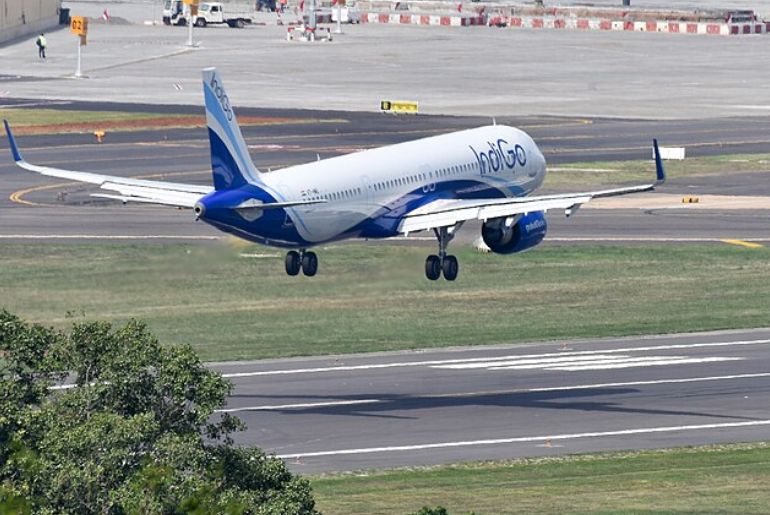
x,y
33,117
369,298
54,121
580,175
724,479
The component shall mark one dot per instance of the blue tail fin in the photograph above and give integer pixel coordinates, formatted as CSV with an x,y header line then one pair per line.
x,y
231,164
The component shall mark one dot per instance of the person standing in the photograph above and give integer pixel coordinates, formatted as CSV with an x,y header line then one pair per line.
x,y
41,44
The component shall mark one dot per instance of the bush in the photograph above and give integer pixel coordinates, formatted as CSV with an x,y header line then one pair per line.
x,y
137,432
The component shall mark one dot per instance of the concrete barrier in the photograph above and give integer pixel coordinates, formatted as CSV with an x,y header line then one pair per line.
x,y
461,19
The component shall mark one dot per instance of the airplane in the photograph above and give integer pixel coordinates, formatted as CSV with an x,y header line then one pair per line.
x,y
430,184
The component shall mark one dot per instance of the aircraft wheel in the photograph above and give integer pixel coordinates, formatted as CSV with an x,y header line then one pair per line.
x,y
432,267
293,262
309,264
450,267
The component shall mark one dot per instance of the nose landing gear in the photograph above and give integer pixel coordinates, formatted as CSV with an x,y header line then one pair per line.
x,y
303,260
435,265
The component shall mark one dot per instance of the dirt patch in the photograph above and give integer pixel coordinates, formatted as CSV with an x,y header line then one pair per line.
x,y
165,122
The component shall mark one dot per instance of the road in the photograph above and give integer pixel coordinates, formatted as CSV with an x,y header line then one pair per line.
x,y
48,209
542,399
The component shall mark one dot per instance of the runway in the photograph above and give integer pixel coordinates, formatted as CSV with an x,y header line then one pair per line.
x,y
541,399
36,208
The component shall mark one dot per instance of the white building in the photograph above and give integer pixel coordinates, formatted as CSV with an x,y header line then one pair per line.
x,y
27,17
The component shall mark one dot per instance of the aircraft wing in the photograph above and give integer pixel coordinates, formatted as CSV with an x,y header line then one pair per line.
x,y
126,190
447,213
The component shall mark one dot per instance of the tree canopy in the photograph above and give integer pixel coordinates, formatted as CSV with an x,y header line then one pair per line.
x,y
104,419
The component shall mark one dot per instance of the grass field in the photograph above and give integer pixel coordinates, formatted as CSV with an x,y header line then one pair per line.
x,y
725,479
369,298
51,117
56,121
581,175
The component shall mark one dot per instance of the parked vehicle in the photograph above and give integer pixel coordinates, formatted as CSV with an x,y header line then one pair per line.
x,y
234,15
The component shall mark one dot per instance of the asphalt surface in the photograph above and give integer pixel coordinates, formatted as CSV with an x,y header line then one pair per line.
x,y
39,208
448,70
543,399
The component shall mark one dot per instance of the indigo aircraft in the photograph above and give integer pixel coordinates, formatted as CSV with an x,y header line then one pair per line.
x,y
430,184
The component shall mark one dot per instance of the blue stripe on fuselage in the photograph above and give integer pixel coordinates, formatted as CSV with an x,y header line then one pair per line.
x,y
272,228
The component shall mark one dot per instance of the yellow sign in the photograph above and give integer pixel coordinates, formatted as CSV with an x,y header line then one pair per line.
x,y
79,25
190,2
398,106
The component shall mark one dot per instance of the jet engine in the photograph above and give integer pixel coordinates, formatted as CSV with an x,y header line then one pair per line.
x,y
504,237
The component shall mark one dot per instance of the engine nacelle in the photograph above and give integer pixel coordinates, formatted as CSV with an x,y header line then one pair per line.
x,y
527,232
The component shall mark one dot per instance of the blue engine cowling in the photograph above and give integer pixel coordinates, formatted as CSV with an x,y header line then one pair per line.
x,y
527,232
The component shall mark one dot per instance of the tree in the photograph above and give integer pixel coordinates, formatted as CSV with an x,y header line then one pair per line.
x,y
136,433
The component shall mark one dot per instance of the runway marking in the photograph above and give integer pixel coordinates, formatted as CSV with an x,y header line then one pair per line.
x,y
346,368
328,404
104,237
476,394
580,363
644,239
645,383
743,243
526,439
36,104
17,196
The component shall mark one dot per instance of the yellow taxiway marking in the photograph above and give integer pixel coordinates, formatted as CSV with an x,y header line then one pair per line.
x,y
742,243
18,196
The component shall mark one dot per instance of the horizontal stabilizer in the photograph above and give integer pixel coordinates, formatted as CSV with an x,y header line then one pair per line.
x,y
256,204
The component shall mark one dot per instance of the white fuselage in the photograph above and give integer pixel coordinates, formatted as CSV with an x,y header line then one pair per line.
x,y
488,162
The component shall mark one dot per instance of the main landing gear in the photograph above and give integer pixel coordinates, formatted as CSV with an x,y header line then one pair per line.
x,y
302,260
443,263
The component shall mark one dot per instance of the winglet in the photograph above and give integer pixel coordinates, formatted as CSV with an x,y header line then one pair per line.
x,y
14,149
659,170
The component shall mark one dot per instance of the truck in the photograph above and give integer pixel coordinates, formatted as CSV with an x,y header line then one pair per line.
x,y
176,12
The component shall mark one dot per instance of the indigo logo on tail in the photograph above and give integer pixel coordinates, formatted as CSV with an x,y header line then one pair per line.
x,y
224,101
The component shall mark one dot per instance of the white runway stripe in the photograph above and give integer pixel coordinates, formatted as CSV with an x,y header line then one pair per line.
x,y
642,363
299,406
612,363
525,439
644,383
547,361
510,357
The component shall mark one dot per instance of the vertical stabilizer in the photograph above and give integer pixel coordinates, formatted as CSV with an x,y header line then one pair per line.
x,y
231,164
